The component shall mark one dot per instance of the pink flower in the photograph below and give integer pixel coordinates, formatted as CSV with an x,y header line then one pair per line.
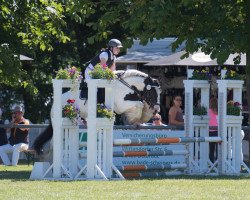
x,y
104,66
237,104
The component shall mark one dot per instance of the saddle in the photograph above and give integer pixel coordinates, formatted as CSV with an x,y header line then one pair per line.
x,y
84,93
83,90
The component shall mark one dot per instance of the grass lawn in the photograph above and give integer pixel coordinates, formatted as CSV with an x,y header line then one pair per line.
x,y
15,184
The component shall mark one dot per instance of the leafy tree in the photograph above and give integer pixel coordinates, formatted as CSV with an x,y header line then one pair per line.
x,y
218,27
59,33
56,34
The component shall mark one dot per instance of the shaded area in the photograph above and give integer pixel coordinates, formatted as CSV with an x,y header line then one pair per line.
x,y
15,175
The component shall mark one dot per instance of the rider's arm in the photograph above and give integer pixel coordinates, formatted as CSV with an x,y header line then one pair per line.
x,y
103,59
113,67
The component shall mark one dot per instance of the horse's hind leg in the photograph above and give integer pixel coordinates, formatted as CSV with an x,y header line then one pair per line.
x,y
45,136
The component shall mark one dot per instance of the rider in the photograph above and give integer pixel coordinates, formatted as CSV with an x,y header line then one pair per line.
x,y
106,58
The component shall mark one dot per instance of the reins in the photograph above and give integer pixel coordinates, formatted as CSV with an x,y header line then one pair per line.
x,y
133,88
129,86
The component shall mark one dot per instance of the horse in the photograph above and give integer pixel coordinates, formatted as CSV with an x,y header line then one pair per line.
x,y
137,97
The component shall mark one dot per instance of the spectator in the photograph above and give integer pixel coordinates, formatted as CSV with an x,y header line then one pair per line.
x,y
213,113
175,114
157,121
3,135
18,140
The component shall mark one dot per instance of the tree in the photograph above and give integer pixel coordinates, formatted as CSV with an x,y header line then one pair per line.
x,y
56,34
218,27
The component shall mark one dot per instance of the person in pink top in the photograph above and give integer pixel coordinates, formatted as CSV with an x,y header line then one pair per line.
x,y
213,113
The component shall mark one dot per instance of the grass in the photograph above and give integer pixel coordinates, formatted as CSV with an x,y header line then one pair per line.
x,y
15,184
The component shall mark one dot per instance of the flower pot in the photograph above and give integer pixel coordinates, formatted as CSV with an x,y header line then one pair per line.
x,y
231,83
68,83
200,119
232,119
101,82
68,122
102,122
196,83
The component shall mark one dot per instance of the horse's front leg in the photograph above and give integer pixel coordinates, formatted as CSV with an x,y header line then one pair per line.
x,y
124,106
131,109
147,113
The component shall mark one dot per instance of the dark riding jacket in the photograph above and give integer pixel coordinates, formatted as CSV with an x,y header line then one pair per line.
x,y
97,60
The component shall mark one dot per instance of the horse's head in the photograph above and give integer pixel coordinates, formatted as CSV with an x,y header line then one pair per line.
x,y
151,93
140,93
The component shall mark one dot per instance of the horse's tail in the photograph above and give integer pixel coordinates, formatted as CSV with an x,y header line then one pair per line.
x,y
45,136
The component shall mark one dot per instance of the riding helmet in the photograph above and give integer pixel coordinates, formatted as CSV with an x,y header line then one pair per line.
x,y
114,43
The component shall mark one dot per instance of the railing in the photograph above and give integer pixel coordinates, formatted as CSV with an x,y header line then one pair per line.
x,y
172,127
34,134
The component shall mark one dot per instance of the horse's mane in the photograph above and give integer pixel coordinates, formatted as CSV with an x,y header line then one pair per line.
x,y
130,73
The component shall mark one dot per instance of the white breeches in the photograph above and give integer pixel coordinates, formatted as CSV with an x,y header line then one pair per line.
x,y
15,150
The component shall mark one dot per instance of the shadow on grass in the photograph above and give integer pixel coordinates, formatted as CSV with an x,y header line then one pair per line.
x,y
203,177
15,175
244,175
22,173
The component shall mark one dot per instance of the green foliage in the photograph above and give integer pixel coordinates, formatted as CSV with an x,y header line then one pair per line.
x,y
104,112
70,110
233,75
102,73
233,108
61,33
217,27
69,73
54,33
201,75
200,110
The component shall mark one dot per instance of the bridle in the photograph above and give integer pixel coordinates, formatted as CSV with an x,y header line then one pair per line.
x,y
140,94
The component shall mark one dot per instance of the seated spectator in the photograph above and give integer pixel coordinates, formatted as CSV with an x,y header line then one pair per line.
x,y
157,121
3,135
175,114
18,140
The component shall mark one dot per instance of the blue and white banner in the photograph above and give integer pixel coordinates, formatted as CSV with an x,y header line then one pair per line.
x,y
145,134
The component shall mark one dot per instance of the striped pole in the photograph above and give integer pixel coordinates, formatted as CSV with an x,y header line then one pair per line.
x,y
151,167
149,153
132,175
137,141
144,153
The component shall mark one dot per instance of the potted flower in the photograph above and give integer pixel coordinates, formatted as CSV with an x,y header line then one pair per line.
x,y
104,116
70,75
200,110
201,75
232,75
102,72
232,78
234,113
103,112
200,114
233,108
197,79
71,111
